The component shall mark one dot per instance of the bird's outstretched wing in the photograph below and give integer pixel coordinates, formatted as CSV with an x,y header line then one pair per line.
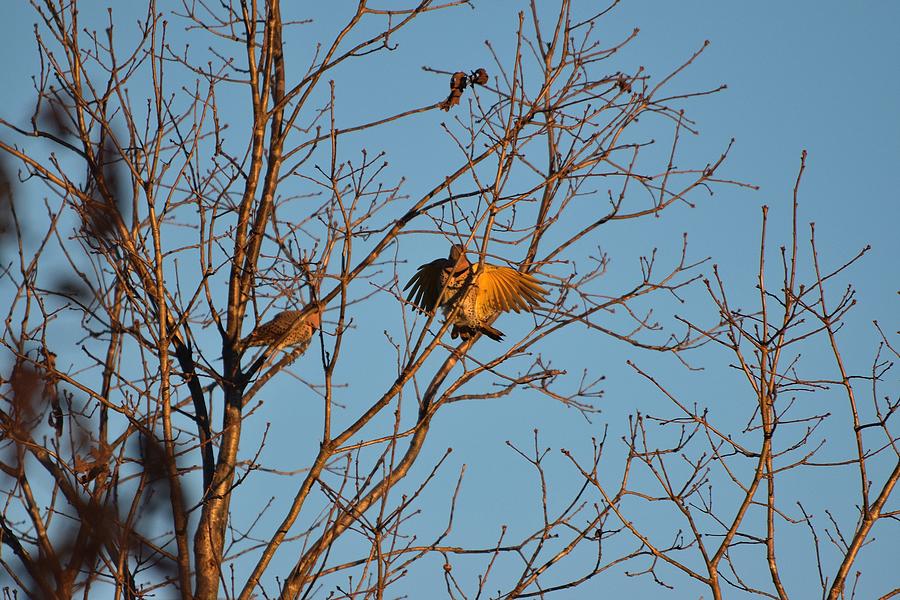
x,y
505,289
425,286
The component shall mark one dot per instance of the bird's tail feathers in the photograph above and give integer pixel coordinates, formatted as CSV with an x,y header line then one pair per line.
x,y
491,332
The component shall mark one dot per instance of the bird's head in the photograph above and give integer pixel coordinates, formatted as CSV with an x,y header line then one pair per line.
x,y
315,317
458,256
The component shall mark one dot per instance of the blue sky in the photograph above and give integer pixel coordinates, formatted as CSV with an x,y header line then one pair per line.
x,y
819,76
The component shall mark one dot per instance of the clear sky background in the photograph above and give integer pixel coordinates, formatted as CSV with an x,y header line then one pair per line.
x,y
814,75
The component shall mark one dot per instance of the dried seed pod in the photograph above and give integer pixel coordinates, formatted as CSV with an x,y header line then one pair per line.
x,y
479,77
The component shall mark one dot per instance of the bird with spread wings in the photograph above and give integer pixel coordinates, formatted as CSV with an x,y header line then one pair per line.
x,y
472,295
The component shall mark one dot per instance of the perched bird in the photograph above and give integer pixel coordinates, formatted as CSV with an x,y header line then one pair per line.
x,y
470,295
287,329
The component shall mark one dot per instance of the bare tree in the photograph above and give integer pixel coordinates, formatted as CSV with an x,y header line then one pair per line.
x,y
692,459
170,228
